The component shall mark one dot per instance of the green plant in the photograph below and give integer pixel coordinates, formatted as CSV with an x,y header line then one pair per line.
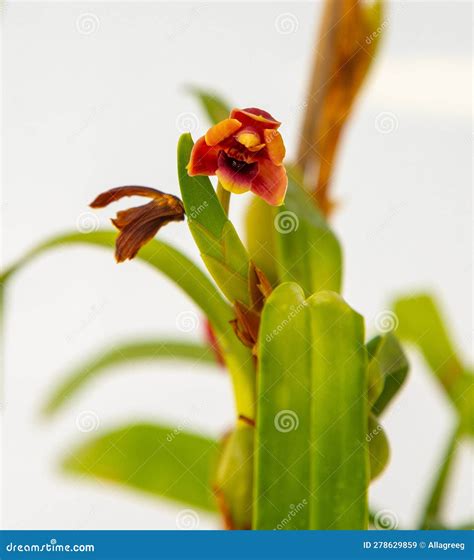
x,y
309,389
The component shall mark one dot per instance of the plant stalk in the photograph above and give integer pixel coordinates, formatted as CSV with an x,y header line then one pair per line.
x,y
224,197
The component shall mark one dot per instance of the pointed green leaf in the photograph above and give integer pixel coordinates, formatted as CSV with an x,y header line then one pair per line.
x,y
308,252
339,407
160,256
283,432
194,283
216,108
220,246
420,323
162,461
392,364
125,353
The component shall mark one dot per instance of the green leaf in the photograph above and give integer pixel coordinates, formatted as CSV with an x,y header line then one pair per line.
x,y
308,252
216,108
161,256
125,353
420,323
194,283
340,466
379,449
393,366
283,440
312,463
375,377
163,461
432,509
219,244
233,483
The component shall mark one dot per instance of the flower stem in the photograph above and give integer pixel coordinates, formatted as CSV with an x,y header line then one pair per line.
x,y
224,198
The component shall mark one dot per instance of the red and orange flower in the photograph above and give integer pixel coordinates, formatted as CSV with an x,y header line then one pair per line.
x,y
246,153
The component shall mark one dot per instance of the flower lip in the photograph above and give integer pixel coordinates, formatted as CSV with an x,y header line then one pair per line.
x,y
235,175
237,165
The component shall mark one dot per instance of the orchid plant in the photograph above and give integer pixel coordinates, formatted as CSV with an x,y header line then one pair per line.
x,y
309,389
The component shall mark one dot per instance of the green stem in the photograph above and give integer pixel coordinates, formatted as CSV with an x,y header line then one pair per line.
x,y
224,198
432,508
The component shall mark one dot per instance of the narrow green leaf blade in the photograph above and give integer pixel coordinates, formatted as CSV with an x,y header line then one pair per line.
x,y
159,460
283,431
161,256
420,322
221,248
193,282
214,106
340,465
125,353
308,252
437,496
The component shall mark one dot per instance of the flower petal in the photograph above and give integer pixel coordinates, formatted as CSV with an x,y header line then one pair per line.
x,y
138,225
112,195
275,146
270,183
221,131
203,159
235,175
252,116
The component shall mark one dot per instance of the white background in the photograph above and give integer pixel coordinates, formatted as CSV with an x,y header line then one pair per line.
x,y
85,112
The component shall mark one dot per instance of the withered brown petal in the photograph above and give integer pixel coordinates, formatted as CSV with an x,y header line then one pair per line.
x,y
139,225
112,195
